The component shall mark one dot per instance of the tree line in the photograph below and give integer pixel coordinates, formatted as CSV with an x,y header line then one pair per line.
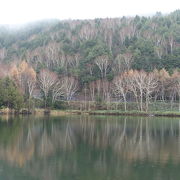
x,y
21,85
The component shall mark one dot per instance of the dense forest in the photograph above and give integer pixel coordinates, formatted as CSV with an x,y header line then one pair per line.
x,y
132,58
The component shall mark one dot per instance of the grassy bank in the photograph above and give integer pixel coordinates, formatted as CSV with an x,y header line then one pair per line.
x,y
113,112
39,111
57,112
42,112
135,113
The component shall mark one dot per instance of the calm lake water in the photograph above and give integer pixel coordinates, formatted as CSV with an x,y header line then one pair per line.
x,y
89,148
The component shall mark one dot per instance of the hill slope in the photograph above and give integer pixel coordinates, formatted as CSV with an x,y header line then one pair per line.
x,y
75,47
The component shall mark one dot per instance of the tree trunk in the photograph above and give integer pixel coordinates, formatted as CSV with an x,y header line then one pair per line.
x,y
125,102
141,101
137,102
147,103
179,103
45,102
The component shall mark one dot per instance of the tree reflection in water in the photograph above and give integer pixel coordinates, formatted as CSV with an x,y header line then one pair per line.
x,y
90,147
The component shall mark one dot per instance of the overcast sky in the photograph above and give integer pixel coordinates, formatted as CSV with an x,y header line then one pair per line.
x,y
22,11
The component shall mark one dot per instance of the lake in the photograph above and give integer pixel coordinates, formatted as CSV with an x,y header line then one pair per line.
x,y
89,148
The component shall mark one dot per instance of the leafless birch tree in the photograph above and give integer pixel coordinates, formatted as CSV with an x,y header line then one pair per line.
x,y
120,87
103,64
151,83
58,90
46,81
70,87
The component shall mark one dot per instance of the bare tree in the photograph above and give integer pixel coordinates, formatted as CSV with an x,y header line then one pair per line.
x,y
176,86
70,87
92,88
87,31
24,77
98,87
57,90
127,60
159,51
132,86
123,62
47,79
136,81
120,87
73,61
31,81
106,90
118,64
103,64
151,83
163,81
171,41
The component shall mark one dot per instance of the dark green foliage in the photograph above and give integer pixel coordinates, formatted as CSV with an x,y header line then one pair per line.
x,y
39,103
90,51
60,105
171,61
9,95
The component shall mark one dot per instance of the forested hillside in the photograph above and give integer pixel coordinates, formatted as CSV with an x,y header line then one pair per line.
x,y
72,47
88,51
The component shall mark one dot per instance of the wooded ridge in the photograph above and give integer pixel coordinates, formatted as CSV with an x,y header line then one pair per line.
x,y
129,59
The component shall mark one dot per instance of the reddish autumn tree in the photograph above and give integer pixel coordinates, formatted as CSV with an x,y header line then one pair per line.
x,y
25,78
176,83
163,83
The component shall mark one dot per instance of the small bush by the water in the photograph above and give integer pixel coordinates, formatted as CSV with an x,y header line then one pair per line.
x,y
60,105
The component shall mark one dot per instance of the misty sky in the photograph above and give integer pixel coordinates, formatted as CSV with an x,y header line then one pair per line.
x,y
22,11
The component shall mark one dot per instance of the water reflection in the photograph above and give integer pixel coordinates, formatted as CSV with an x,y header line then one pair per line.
x,y
88,147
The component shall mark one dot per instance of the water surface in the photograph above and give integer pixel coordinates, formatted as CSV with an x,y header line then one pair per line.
x,y
89,148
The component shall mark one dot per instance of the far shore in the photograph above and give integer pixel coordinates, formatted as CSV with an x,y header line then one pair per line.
x,y
111,113
96,112
136,113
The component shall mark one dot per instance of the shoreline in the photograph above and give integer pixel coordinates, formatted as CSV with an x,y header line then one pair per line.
x,y
96,112
115,113
144,114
